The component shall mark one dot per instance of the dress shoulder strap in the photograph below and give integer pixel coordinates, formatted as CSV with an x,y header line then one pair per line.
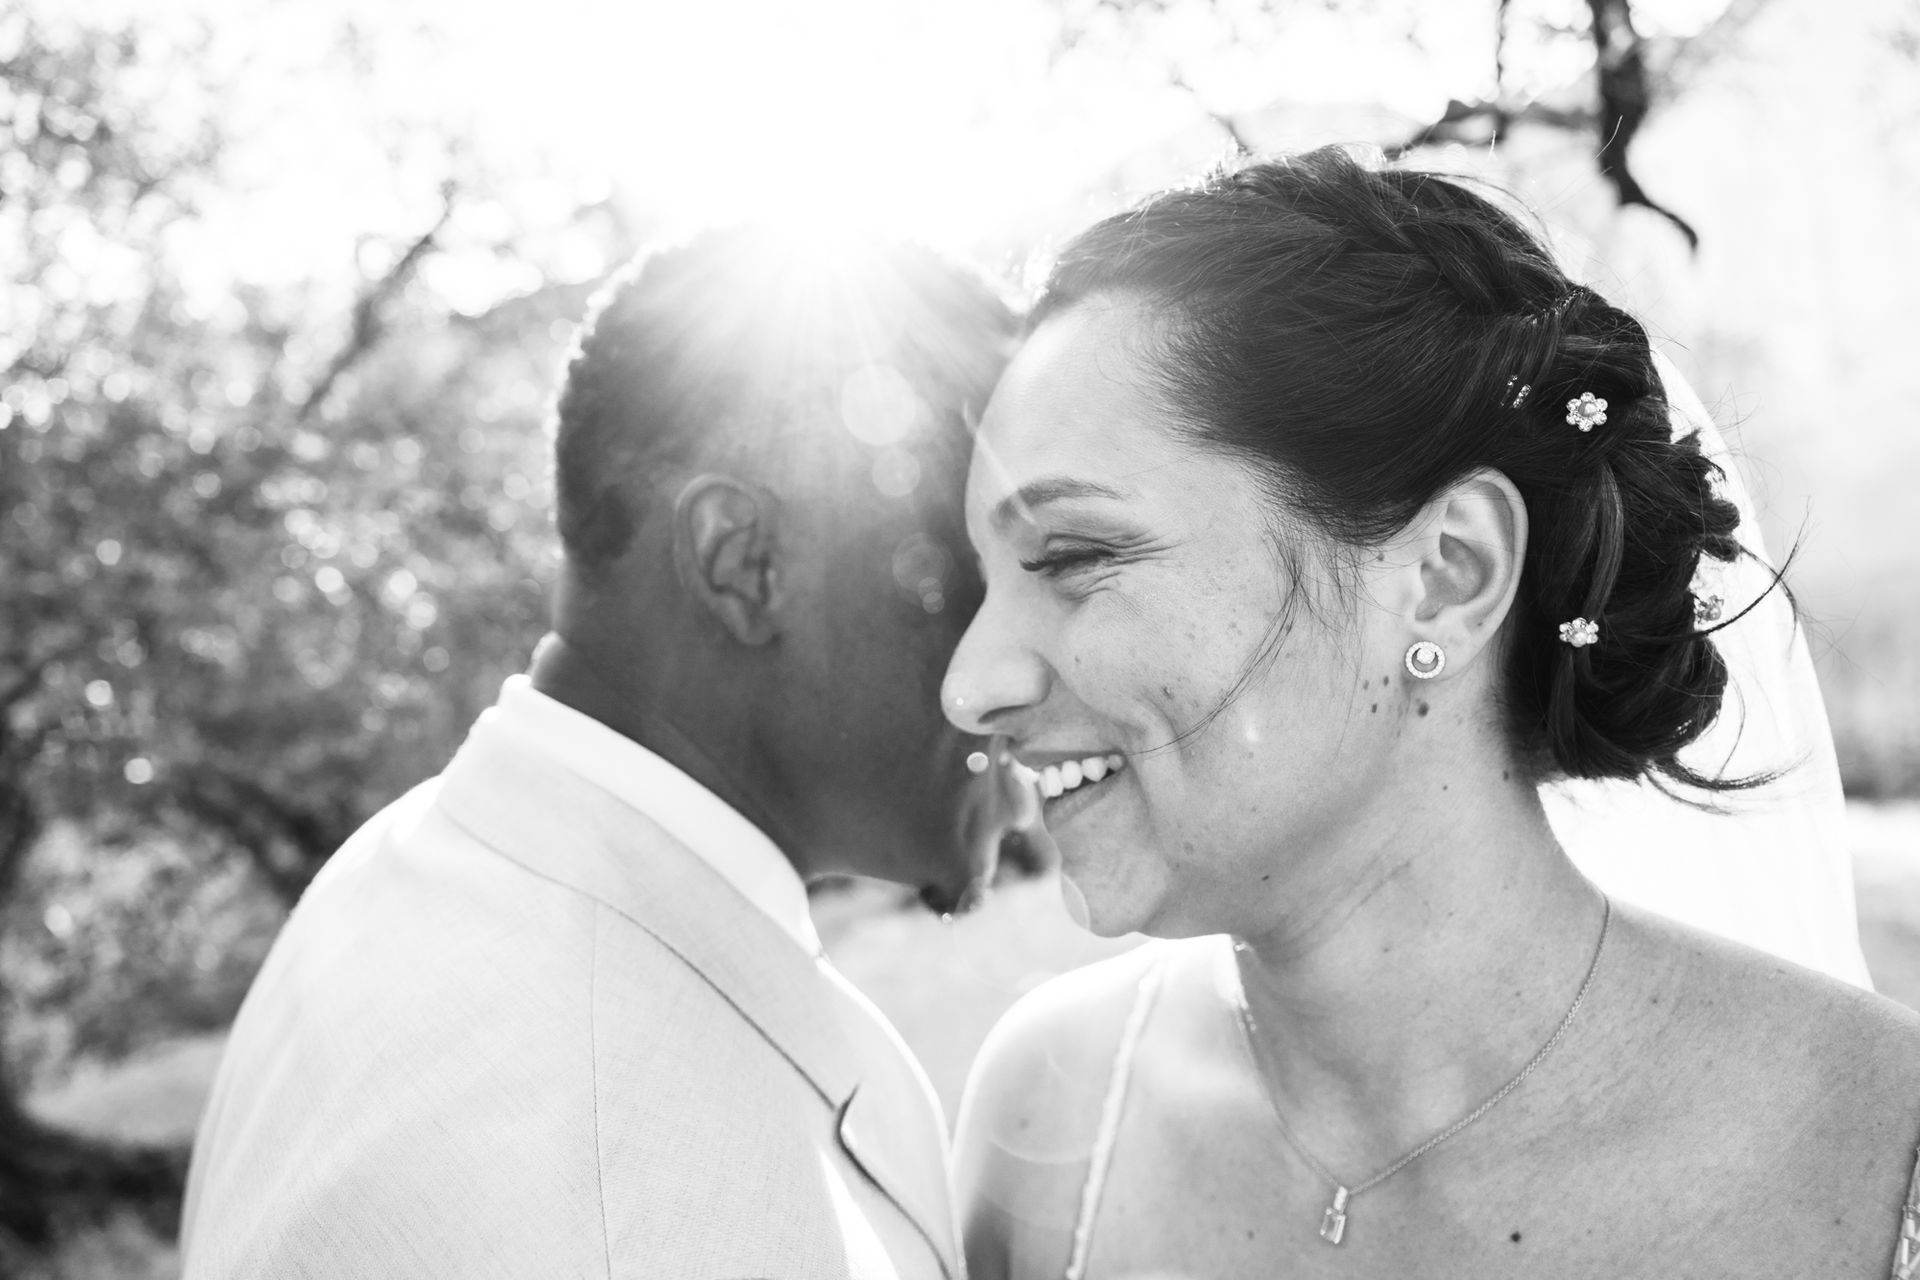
x,y
1906,1257
1110,1111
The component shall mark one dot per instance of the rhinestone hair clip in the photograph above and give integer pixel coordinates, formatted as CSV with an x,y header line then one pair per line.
x,y
1580,633
1586,412
1518,397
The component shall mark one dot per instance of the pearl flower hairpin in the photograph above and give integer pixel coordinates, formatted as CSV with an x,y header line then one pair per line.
x,y
1580,633
1587,412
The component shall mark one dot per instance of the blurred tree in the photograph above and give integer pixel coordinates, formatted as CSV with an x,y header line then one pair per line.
x,y
1632,73
265,551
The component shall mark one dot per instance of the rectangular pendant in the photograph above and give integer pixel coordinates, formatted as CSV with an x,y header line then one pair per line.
x,y
1333,1223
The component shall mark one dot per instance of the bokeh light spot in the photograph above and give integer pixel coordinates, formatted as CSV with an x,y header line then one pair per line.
x,y
59,921
896,473
878,406
401,584
921,569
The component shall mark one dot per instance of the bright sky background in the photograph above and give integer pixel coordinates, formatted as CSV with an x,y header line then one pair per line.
x,y
950,120
954,122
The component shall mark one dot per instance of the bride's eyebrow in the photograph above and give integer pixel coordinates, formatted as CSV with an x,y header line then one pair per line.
x,y
1029,497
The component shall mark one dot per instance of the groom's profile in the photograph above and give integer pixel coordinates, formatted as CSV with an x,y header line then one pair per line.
x,y
561,1010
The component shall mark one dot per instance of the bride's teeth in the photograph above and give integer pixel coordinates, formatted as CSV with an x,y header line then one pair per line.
x,y
1116,762
1070,774
1050,782
1095,767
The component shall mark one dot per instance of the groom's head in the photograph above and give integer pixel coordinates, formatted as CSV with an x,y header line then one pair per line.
x,y
759,455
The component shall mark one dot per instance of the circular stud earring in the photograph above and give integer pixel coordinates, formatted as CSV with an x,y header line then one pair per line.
x,y
1425,660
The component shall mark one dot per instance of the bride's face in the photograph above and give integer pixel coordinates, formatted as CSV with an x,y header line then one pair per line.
x,y
1140,608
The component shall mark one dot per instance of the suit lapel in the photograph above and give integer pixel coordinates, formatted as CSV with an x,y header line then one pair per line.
x,y
918,1192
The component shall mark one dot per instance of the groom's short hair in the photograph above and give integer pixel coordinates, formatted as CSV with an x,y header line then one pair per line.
x,y
736,347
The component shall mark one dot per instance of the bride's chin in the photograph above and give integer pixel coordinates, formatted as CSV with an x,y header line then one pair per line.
x,y
1094,905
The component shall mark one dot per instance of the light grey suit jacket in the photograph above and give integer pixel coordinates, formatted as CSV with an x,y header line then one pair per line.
x,y
516,1029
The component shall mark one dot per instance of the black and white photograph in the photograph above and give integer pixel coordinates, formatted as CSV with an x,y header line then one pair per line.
x,y
959,639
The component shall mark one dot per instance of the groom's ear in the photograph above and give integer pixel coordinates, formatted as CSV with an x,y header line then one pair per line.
x,y
726,553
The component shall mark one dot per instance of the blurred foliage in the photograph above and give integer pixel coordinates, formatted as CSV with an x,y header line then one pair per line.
x,y
264,557
1870,677
111,954
242,552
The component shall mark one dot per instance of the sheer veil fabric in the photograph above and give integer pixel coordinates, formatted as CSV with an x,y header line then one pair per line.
x,y
1771,868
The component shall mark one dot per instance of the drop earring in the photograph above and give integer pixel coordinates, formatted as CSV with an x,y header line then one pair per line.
x,y
1425,660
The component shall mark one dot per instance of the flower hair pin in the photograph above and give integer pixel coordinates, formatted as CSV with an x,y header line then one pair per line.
x,y
1580,633
1587,412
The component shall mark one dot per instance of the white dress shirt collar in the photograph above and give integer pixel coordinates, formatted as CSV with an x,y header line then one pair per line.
x,y
743,854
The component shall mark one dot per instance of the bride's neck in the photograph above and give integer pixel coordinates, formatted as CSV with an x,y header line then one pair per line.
x,y
1427,981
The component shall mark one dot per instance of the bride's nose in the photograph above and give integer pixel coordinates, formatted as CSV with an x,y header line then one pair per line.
x,y
995,674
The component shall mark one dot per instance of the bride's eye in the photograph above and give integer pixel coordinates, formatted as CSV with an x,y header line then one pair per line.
x,y
1059,561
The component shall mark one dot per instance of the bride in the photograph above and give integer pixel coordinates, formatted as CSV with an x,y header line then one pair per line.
x,y
1325,522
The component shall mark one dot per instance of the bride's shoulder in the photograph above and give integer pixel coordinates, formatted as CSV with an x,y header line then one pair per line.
x,y
1777,1095
1048,1060
1814,1043
1763,992
1031,1118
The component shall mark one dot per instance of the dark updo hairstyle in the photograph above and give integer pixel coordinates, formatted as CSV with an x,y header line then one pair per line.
x,y
1366,337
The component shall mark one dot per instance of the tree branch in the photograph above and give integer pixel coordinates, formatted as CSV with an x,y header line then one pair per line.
x,y
255,819
1625,99
368,312
1449,127
1452,124
1226,122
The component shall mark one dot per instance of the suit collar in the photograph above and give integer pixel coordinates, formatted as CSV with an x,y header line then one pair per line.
x,y
561,827
744,855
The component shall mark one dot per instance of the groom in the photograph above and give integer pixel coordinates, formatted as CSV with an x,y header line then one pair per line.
x,y
561,1011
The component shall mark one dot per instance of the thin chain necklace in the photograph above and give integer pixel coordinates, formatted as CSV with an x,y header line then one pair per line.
x,y
1333,1221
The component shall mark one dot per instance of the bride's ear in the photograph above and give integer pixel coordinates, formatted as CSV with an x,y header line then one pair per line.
x,y
1468,548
